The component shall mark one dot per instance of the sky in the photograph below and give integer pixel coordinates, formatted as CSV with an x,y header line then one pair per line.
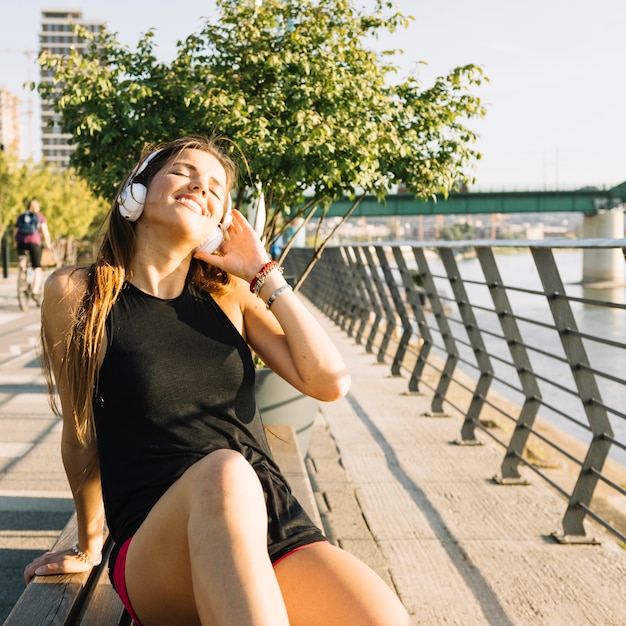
x,y
556,100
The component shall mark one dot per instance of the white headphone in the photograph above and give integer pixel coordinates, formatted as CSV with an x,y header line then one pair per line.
x,y
132,198
211,244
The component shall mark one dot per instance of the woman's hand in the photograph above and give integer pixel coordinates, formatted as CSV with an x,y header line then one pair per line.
x,y
242,254
63,562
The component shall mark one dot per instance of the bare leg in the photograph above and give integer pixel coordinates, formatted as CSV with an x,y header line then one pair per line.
x,y
323,584
22,282
201,555
21,260
36,286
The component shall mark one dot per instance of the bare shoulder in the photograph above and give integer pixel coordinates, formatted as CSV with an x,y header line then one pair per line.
x,y
63,293
69,276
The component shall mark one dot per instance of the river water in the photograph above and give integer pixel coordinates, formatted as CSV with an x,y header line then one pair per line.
x,y
609,323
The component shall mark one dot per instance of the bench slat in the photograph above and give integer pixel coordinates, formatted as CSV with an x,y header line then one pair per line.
x,y
103,606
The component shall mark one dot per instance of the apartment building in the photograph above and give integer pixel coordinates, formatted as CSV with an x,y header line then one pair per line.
x,y
57,37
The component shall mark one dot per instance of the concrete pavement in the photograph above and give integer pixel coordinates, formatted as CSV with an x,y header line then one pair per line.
x,y
457,547
35,501
391,487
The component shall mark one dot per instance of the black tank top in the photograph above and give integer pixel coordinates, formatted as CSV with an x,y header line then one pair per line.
x,y
177,383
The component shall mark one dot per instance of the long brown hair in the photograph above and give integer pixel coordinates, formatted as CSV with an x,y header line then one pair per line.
x,y
105,281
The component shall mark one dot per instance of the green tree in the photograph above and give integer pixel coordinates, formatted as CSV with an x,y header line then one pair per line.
x,y
66,200
460,231
5,186
13,190
70,207
296,88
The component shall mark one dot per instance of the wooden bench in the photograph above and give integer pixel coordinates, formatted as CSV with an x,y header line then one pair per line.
x,y
88,599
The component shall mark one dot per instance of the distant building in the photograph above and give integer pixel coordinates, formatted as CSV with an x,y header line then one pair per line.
x,y
57,37
10,129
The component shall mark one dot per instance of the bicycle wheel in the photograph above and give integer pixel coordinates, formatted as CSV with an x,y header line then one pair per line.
x,y
23,290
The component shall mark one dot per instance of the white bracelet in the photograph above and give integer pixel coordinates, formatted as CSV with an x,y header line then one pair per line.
x,y
85,558
276,294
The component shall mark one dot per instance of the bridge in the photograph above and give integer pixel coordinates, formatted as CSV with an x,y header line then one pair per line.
x,y
588,201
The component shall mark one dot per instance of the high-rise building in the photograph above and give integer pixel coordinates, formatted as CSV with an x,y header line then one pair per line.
x,y
57,37
10,130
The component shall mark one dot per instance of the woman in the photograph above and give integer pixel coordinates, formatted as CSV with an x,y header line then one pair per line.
x,y
150,351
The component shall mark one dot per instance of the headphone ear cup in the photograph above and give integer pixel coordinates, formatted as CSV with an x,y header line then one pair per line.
x,y
217,238
213,242
132,200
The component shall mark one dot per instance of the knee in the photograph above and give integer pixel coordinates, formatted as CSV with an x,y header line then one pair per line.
x,y
224,482
221,469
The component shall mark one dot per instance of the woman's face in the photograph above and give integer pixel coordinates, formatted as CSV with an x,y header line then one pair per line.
x,y
189,191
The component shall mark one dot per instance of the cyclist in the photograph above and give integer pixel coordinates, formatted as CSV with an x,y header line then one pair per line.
x,y
30,226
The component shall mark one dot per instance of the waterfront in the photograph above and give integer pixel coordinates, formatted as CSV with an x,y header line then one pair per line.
x,y
457,548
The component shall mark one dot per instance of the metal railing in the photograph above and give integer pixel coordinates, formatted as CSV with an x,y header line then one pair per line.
x,y
507,338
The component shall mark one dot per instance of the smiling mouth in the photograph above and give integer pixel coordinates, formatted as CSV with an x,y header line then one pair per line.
x,y
192,204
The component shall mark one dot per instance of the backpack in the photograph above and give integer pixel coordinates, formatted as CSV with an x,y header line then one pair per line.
x,y
27,223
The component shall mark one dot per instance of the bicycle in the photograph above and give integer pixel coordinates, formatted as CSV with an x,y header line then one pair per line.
x,y
25,275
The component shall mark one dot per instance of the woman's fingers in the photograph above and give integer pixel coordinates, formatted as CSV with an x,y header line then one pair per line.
x,y
64,562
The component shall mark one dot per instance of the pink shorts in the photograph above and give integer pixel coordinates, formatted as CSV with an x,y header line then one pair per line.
x,y
119,574
119,579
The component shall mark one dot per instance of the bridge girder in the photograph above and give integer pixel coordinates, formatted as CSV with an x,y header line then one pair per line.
x,y
589,201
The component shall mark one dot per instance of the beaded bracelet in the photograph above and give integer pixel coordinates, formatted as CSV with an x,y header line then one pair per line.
x,y
268,267
259,279
276,294
85,558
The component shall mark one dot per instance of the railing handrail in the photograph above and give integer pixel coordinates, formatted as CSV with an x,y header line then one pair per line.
x,y
556,243
371,290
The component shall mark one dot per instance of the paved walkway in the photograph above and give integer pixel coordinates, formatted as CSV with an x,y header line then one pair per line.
x,y
35,501
391,486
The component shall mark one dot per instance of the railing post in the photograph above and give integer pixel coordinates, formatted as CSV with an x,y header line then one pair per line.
x,y
400,309
352,289
342,286
368,281
315,287
523,367
415,302
360,290
588,391
383,297
468,430
450,346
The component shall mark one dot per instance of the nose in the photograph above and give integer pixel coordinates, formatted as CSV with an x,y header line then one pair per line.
x,y
199,184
